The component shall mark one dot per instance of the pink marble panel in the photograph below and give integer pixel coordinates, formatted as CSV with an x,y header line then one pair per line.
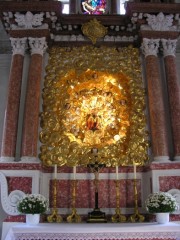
x,y
85,193
79,169
163,166
168,182
20,166
20,183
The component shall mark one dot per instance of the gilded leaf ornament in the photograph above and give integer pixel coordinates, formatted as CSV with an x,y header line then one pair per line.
x,y
94,30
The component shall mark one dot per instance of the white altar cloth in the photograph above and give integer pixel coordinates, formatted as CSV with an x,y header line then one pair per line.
x,y
94,231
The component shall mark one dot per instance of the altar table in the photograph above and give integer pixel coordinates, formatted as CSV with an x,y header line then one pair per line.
x,y
95,231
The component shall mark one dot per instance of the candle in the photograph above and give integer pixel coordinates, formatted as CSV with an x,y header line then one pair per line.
x,y
55,171
117,172
74,172
134,170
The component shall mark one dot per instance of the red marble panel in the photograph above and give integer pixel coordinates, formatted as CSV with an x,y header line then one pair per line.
x,y
64,169
164,166
20,166
20,183
168,182
79,169
19,218
22,218
85,193
12,108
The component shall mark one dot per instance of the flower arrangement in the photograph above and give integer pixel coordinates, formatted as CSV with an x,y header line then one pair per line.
x,y
33,204
161,202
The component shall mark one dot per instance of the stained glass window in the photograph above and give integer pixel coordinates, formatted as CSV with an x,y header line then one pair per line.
x,y
95,7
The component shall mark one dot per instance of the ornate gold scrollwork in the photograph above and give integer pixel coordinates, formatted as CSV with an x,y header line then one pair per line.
x,y
93,97
94,30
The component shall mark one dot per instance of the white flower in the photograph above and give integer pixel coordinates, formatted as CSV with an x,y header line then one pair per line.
x,y
33,203
161,202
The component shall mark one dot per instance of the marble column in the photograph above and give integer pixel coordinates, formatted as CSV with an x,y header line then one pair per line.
x,y
31,112
169,50
10,128
156,103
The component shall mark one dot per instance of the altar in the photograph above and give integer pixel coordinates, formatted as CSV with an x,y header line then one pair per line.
x,y
100,231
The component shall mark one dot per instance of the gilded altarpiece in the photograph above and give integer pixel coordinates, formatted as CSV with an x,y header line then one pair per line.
x,y
93,98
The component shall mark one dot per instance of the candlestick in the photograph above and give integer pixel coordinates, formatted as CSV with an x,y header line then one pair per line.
x,y
117,177
118,217
134,170
74,172
54,217
55,171
74,217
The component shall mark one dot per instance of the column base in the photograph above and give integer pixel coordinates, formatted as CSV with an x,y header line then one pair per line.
x,y
7,159
26,159
177,158
161,159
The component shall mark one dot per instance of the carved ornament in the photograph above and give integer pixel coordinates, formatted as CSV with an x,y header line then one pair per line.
x,y
150,46
28,20
159,22
94,30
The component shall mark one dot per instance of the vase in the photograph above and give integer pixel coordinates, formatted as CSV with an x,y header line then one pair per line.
x,y
162,218
32,219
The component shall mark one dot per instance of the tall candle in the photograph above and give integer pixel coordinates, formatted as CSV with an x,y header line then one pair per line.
x,y
117,177
74,172
55,171
134,170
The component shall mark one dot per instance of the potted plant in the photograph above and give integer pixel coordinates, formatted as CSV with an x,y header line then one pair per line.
x,y
33,205
161,203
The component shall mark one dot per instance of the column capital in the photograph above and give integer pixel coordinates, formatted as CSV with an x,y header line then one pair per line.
x,y
19,45
37,45
150,46
169,47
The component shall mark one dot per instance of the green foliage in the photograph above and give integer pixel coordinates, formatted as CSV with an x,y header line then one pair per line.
x,y
32,204
161,202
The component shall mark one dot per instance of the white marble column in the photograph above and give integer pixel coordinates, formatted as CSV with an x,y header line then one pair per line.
x,y
169,50
156,105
